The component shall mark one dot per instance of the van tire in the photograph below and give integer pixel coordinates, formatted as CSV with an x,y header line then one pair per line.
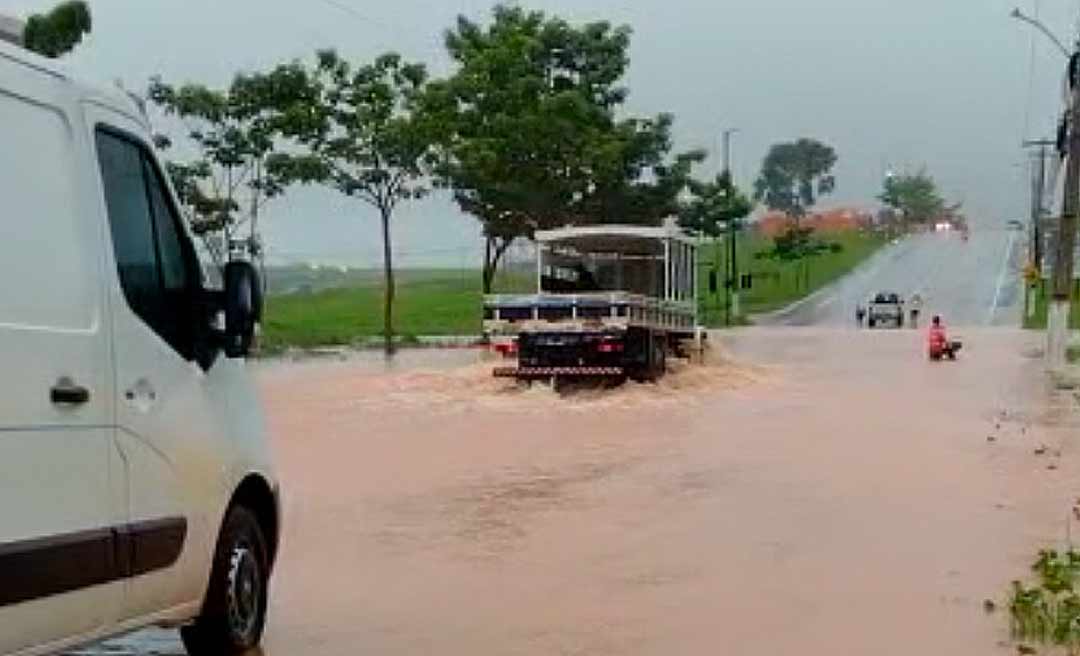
x,y
234,611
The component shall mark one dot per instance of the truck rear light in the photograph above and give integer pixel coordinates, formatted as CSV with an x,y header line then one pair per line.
x,y
610,347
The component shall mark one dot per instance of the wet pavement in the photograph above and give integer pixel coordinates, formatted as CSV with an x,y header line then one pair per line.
x,y
809,490
970,283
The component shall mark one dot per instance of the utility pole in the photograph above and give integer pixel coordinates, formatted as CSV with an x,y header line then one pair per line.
x,y
733,265
1057,323
1064,250
1038,199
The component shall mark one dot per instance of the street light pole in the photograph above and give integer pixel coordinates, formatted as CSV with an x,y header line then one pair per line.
x,y
733,265
1037,24
1064,251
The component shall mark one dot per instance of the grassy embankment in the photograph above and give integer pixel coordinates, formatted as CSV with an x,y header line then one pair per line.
x,y
340,309
1037,319
777,284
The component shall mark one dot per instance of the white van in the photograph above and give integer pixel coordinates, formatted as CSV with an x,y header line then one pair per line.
x,y
136,486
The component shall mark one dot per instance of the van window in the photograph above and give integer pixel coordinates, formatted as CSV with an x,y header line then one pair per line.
x,y
153,258
48,268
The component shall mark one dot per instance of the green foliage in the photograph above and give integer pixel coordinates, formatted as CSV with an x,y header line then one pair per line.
x,y
714,206
1041,300
232,131
914,197
57,32
779,282
1049,610
794,175
530,138
431,302
797,243
357,131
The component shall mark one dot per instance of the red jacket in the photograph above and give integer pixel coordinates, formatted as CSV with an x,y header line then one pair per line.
x,y
936,337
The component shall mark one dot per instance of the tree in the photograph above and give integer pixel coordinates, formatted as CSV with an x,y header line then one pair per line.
x,y
57,32
714,206
358,132
797,243
529,135
794,175
226,184
915,198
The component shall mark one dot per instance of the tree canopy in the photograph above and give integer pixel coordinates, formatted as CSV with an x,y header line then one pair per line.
x,y
713,206
356,130
59,30
915,197
227,181
530,134
794,175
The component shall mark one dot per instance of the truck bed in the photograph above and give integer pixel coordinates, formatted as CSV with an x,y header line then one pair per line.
x,y
512,314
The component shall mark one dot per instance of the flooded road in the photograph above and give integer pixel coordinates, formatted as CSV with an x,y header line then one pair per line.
x,y
816,491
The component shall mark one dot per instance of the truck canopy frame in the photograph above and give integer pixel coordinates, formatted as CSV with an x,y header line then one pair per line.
x,y
620,276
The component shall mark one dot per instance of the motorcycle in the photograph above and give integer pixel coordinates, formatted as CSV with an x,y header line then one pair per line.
x,y
945,349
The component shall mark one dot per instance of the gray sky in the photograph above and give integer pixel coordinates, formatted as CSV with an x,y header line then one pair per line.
x,y
889,83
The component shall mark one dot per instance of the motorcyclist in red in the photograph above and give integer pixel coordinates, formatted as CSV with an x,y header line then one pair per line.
x,y
938,341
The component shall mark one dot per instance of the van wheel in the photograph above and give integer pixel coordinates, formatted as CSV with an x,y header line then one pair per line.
x,y
234,612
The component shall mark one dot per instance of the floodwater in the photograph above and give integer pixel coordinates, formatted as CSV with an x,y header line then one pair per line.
x,y
808,491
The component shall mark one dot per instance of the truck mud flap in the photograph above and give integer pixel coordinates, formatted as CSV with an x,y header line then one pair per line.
x,y
540,373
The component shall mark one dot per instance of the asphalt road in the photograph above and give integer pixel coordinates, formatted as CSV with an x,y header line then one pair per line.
x,y
972,283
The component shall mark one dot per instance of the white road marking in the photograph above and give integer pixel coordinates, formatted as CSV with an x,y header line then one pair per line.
x,y
1001,279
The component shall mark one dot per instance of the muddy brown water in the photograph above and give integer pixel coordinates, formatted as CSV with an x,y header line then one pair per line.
x,y
808,491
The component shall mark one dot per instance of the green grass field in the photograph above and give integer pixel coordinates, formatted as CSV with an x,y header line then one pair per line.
x,y
430,302
777,284
335,309
1037,320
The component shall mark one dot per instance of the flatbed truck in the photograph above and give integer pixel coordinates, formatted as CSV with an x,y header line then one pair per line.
x,y
612,302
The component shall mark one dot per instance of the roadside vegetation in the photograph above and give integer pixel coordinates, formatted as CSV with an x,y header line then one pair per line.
x,y
330,307
334,308
1037,320
527,92
777,282
1047,610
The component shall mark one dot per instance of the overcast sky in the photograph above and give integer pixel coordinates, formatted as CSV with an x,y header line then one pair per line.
x,y
945,84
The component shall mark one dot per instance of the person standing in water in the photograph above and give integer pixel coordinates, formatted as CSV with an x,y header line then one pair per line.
x,y
915,306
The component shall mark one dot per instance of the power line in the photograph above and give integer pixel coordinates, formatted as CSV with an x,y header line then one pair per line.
x,y
349,9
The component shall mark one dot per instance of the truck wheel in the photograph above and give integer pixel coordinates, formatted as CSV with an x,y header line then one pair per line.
x,y
870,323
234,611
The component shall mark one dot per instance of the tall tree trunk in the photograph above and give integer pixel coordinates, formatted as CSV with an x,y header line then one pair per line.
x,y
488,274
494,249
388,284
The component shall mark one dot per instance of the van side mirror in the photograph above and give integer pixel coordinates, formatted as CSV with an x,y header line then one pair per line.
x,y
243,305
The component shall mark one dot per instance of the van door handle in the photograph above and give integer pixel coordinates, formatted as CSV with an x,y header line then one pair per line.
x,y
66,392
